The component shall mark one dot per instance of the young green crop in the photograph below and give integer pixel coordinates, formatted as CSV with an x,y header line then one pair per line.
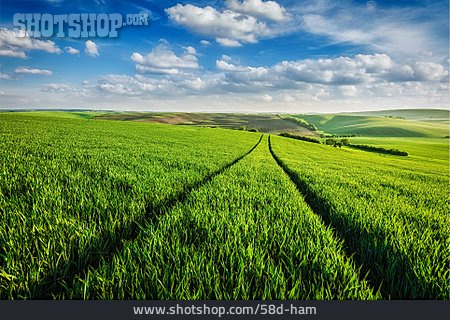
x,y
391,212
246,234
100,209
72,190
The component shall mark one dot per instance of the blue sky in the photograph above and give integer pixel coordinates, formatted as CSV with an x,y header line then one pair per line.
x,y
233,55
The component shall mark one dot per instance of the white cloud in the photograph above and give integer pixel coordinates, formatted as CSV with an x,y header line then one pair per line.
x,y
56,87
267,98
163,60
348,91
71,50
191,50
146,69
15,43
131,85
225,64
342,83
91,49
338,71
417,71
226,58
228,27
400,73
26,70
205,42
163,86
429,71
4,76
194,84
210,93
228,42
265,9
12,53
375,63
378,28
342,70
400,32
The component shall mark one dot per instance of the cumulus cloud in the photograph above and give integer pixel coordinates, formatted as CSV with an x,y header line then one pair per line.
x,y
26,70
377,78
337,71
347,81
375,63
275,92
191,50
408,69
342,70
378,28
183,84
417,71
226,64
71,50
228,27
12,53
266,9
91,48
162,60
4,76
429,71
15,43
130,85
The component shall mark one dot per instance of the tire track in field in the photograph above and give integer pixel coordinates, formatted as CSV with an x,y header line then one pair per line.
x,y
60,280
321,211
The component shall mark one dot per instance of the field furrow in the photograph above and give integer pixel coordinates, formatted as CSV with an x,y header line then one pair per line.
x,y
72,191
246,234
392,213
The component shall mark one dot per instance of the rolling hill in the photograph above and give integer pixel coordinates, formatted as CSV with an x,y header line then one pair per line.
x,y
269,123
411,114
380,126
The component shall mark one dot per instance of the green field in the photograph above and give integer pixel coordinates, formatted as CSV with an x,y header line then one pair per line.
x,y
411,114
391,212
381,126
269,123
428,149
391,123
96,208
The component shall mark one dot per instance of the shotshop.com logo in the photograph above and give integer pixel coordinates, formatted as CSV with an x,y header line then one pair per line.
x,y
75,25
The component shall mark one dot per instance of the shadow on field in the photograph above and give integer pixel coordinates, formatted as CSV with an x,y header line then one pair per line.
x,y
58,282
385,267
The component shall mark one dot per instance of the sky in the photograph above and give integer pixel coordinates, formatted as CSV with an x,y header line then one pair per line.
x,y
234,56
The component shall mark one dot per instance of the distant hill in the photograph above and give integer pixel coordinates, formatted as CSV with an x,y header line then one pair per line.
x,y
270,123
72,114
365,124
411,114
425,123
